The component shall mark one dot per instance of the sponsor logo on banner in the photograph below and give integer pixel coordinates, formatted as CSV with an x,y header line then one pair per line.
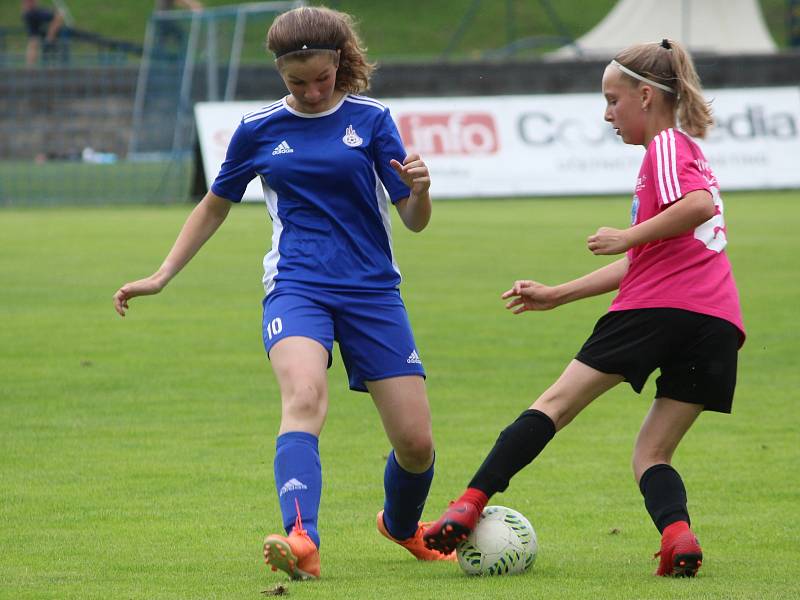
x,y
755,121
542,128
450,133
542,144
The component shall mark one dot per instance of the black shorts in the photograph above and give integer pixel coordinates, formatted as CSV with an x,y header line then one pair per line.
x,y
696,353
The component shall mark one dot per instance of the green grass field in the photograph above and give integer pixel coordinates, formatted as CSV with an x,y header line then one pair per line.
x,y
42,184
136,454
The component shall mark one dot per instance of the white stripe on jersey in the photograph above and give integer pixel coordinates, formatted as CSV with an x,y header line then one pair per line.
x,y
668,171
383,206
273,256
367,99
366,102
660,171
667,165
255,116
262,109
674,163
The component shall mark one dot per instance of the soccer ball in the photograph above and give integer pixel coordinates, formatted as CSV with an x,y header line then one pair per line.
x,y
502,543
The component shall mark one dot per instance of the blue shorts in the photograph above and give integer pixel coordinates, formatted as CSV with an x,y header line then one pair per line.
x,y
371,327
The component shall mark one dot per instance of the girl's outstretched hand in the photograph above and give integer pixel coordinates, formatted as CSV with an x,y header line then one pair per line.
x,y
530,295
142,287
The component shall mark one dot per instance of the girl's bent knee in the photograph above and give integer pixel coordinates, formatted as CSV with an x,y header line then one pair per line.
x,y
307,401
415,456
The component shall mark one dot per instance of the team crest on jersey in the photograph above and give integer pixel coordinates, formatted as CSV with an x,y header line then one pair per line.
x,y
634,209
351,138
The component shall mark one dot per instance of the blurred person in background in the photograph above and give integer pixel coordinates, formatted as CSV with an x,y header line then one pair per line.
x,y
178,4
43,26
171,35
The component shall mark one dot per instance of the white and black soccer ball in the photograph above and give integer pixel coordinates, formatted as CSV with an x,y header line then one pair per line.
x,y
503,543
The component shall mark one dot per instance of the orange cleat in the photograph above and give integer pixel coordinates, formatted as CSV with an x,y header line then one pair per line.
x,y
681,555
415,544
295,554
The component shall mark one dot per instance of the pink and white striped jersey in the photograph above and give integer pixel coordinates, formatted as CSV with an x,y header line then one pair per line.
x,y
690,271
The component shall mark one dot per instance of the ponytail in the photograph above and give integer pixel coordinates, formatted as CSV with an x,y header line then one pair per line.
x,y
668,63
694,113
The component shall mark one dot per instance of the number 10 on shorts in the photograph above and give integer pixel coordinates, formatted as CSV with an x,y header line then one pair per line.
x,y
274,327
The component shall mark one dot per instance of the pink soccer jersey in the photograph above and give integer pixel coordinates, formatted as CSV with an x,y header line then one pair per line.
x,y
690,271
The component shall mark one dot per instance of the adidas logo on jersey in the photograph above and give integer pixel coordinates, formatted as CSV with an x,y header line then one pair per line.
x,y
282,148
413,358
292,486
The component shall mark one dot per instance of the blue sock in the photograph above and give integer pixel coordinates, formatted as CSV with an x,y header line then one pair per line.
x,y
405,498
298,476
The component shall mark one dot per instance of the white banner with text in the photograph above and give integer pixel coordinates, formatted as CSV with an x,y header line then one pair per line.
x,y
499,146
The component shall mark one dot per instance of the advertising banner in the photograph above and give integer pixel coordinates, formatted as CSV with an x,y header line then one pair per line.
x,y
501,146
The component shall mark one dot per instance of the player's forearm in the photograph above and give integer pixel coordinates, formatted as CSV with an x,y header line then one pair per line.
x,y
416,211
601,281
201,224
691,211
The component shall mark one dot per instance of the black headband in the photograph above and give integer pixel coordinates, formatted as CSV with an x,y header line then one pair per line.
x,y
665,43
306,47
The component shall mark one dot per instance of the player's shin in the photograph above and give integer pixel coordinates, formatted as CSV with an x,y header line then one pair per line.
x,y
664,495
515,448
405,498
298,476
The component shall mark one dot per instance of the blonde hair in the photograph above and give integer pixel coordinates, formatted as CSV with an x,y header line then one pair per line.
x,y
321,29
670,64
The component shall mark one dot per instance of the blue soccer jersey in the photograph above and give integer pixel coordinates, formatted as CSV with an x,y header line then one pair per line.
x,y
331,223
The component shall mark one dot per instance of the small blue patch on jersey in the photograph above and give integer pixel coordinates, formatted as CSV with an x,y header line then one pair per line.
x,y
634,209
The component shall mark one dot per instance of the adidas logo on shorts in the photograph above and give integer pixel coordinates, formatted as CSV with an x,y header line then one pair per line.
x,y
413,358
282,148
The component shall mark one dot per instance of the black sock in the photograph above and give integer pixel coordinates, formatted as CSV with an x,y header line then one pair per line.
x,y
664,495
517,445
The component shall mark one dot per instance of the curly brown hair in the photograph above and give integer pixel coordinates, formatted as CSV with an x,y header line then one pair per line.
x,y
322,29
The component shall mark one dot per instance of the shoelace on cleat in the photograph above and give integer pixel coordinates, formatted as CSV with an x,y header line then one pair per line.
x,y
298,522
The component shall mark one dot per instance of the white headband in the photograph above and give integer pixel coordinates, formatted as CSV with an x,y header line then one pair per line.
x,y
636,75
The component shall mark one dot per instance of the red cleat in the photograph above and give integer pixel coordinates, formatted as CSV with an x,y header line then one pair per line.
x,y
681,555
453,527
